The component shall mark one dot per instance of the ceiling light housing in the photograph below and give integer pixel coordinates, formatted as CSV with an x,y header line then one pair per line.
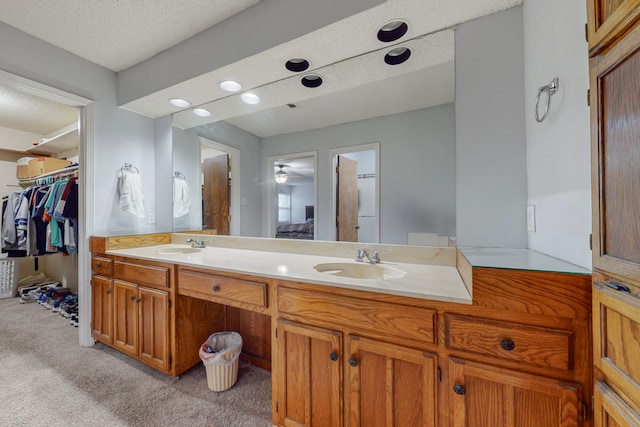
x,y
230,86
201,112
250,98
297,65
179,102
397,55
281,176
392,31
311,80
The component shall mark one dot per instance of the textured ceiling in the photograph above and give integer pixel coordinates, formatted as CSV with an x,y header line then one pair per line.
x,y
117,33
30,113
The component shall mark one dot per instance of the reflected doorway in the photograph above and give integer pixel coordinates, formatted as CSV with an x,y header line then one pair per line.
x,y
293,196
356,195
220,207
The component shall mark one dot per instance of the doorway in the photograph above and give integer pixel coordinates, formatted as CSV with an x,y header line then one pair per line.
x,y
357,193
220,187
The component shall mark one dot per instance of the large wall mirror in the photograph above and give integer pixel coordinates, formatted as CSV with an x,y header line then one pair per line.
x,y
404,111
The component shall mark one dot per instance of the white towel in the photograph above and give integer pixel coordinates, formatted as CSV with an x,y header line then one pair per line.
x,y
181,198
131,193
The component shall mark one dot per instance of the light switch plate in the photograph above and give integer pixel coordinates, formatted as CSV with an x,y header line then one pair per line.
x,y
531,218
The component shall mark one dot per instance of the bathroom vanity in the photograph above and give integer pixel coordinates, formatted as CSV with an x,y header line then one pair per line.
x,y
431,336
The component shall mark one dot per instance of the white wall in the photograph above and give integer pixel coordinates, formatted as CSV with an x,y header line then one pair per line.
x,y
417,162
13,139
186,159
302,195
491,177
121,137
558,149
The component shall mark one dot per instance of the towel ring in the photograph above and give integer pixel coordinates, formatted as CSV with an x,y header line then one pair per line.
x,y
130,167
550,90
178,174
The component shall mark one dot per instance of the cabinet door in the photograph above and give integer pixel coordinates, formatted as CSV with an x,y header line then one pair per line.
x,y
608,20
610,410
483,396
153,308
309,375
102,309
125,317
615,136
389,385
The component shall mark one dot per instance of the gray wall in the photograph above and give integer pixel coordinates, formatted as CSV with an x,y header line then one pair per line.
x,y
417,176
491,177
186,159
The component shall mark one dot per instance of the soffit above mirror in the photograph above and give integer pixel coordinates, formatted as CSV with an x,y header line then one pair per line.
x,y
334,43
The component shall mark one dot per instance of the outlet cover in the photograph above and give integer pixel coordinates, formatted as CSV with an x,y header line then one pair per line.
x,y
531,218
151,218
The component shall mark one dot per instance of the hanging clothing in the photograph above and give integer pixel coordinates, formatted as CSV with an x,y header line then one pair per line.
x,y
181,197
131,193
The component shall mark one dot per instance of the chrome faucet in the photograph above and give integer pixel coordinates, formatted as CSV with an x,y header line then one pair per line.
x,y
362,254
196,244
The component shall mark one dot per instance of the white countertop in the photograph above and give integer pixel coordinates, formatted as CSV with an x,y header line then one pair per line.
x,y
519,259
426,281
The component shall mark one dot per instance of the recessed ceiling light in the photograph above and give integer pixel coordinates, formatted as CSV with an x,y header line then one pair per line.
x,y
297,64
392,31
230,86
397,55
178,102
311,80
201,112
250,98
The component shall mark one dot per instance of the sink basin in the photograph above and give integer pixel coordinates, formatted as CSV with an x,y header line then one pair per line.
x,y
360,270
177,251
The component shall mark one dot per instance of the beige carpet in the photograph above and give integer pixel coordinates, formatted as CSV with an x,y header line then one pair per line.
x,y
47,379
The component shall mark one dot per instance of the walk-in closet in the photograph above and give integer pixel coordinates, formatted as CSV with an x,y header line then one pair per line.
x,y
39,168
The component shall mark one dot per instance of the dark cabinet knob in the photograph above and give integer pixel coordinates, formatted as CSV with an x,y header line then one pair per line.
x,y
216,288
333,356
353,362
98,264
108,291
459,389
507,344
133,297
138,301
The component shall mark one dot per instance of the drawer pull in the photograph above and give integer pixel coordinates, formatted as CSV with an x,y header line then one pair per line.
x,y
616,286
353,362
507,344
333,356
459,389
216,288
98,264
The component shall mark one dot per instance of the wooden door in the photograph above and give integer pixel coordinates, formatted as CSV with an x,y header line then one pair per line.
x,y
347,200
153,309
102,309
389,385
482,396
216,193
125,317
309,376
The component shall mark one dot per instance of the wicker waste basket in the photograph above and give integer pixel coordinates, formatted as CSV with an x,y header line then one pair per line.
x,y
220,355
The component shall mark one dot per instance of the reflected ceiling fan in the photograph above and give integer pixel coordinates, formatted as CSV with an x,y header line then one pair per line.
x,y
281,176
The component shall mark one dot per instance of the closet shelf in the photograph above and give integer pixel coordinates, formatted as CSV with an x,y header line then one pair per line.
x,y
59,141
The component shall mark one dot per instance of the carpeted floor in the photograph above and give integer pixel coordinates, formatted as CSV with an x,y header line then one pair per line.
x,y
47,379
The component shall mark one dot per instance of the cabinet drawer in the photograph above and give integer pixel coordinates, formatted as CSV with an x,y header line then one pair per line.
x,y
365,316
510,341
102,266
222,289
147,275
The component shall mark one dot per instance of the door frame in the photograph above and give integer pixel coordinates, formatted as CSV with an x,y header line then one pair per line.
x,y
333,154
235,205
271,208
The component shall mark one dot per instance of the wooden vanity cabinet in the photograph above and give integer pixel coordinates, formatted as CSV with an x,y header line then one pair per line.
x,y
520,355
